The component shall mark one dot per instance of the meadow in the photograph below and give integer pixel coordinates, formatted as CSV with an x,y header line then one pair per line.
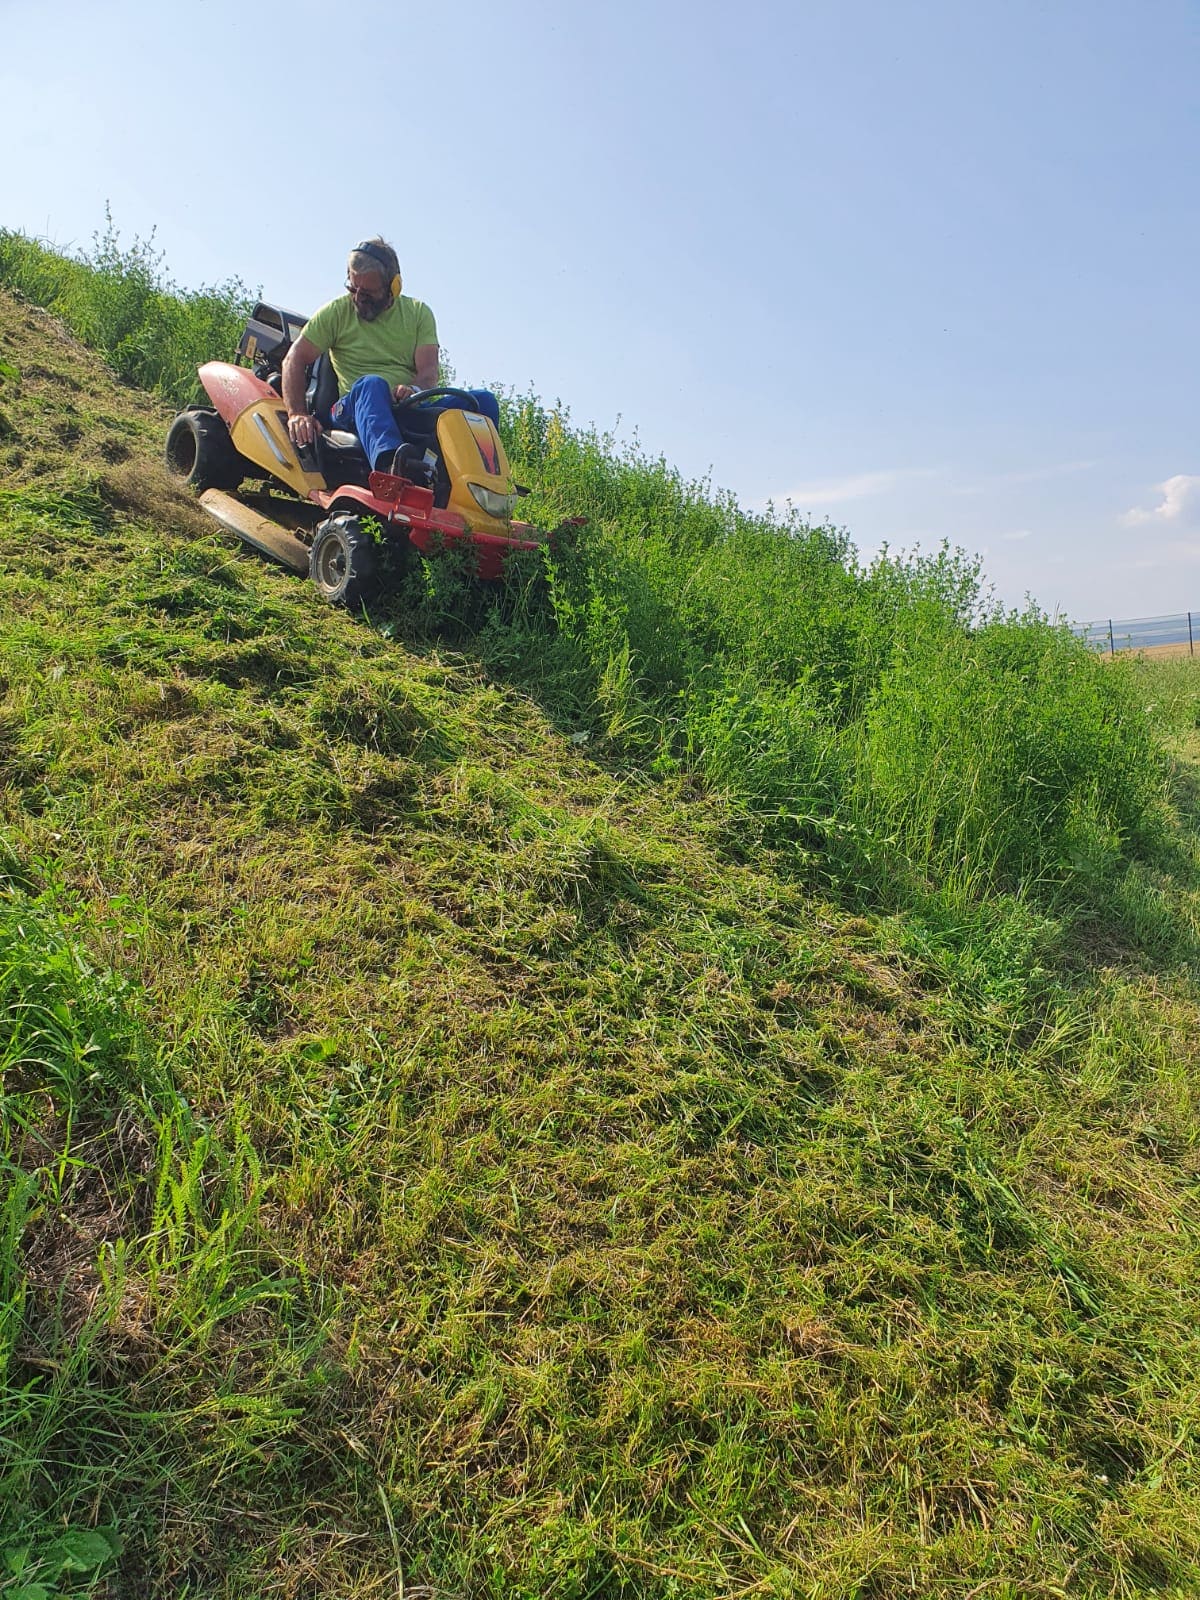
x,y
673,1077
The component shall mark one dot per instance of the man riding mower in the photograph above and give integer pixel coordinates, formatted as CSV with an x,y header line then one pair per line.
x,y
377,456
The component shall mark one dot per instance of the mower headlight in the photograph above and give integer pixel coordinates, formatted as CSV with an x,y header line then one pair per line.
x,y
491,503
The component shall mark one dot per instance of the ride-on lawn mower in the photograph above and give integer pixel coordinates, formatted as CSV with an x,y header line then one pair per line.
x,y
455,488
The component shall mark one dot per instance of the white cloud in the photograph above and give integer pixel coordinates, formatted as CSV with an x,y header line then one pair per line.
x,y
1001,480
1180,503
1019,533
856,486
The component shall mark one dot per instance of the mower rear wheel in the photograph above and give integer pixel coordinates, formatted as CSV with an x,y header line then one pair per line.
x,y
200,451
344,562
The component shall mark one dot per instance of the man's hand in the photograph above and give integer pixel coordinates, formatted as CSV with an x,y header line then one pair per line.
x,y
303,429
404,391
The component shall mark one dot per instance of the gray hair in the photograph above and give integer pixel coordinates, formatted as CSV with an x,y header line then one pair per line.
x,y
380,257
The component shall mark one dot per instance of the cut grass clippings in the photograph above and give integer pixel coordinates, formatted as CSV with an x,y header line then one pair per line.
x,y
438,1158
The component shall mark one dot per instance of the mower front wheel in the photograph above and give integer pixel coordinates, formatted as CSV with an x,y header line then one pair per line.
x,y
344,563
200,451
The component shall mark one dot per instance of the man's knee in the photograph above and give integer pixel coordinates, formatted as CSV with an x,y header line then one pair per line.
x,y
372,389
487,403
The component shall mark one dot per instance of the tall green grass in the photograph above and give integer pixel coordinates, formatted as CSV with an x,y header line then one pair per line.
x,y
125,1264
888,719
121,300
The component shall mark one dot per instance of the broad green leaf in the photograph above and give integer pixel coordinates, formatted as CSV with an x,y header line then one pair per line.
x,y
81,1549
16,1559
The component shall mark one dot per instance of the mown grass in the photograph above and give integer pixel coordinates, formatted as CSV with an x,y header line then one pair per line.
x,y
510,1166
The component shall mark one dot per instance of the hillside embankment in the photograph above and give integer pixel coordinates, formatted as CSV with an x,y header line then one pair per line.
x,y
444,1156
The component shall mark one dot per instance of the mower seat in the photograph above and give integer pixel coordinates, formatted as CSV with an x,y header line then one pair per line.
x,y
322,389
340,452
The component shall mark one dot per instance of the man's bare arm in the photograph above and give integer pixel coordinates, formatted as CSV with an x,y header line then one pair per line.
x,y
425,359
302,428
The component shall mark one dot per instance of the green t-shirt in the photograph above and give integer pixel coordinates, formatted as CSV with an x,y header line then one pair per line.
x,y
385,348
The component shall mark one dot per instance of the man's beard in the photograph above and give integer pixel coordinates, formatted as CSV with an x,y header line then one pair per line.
x,y
371,309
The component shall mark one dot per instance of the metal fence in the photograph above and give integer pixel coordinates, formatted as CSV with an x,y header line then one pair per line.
x,y
1176,635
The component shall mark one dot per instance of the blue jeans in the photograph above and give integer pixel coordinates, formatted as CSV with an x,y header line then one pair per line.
x,y
366,409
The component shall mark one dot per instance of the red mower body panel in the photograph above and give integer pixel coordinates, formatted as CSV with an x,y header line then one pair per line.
x,y
430,527
233,389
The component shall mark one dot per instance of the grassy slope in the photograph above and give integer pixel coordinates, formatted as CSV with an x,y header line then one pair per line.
x,y
567,1204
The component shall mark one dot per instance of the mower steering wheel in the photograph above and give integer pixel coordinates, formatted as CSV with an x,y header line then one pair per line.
x,y
438,392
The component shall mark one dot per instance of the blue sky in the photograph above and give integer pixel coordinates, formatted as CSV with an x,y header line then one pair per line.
x,y
928,270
